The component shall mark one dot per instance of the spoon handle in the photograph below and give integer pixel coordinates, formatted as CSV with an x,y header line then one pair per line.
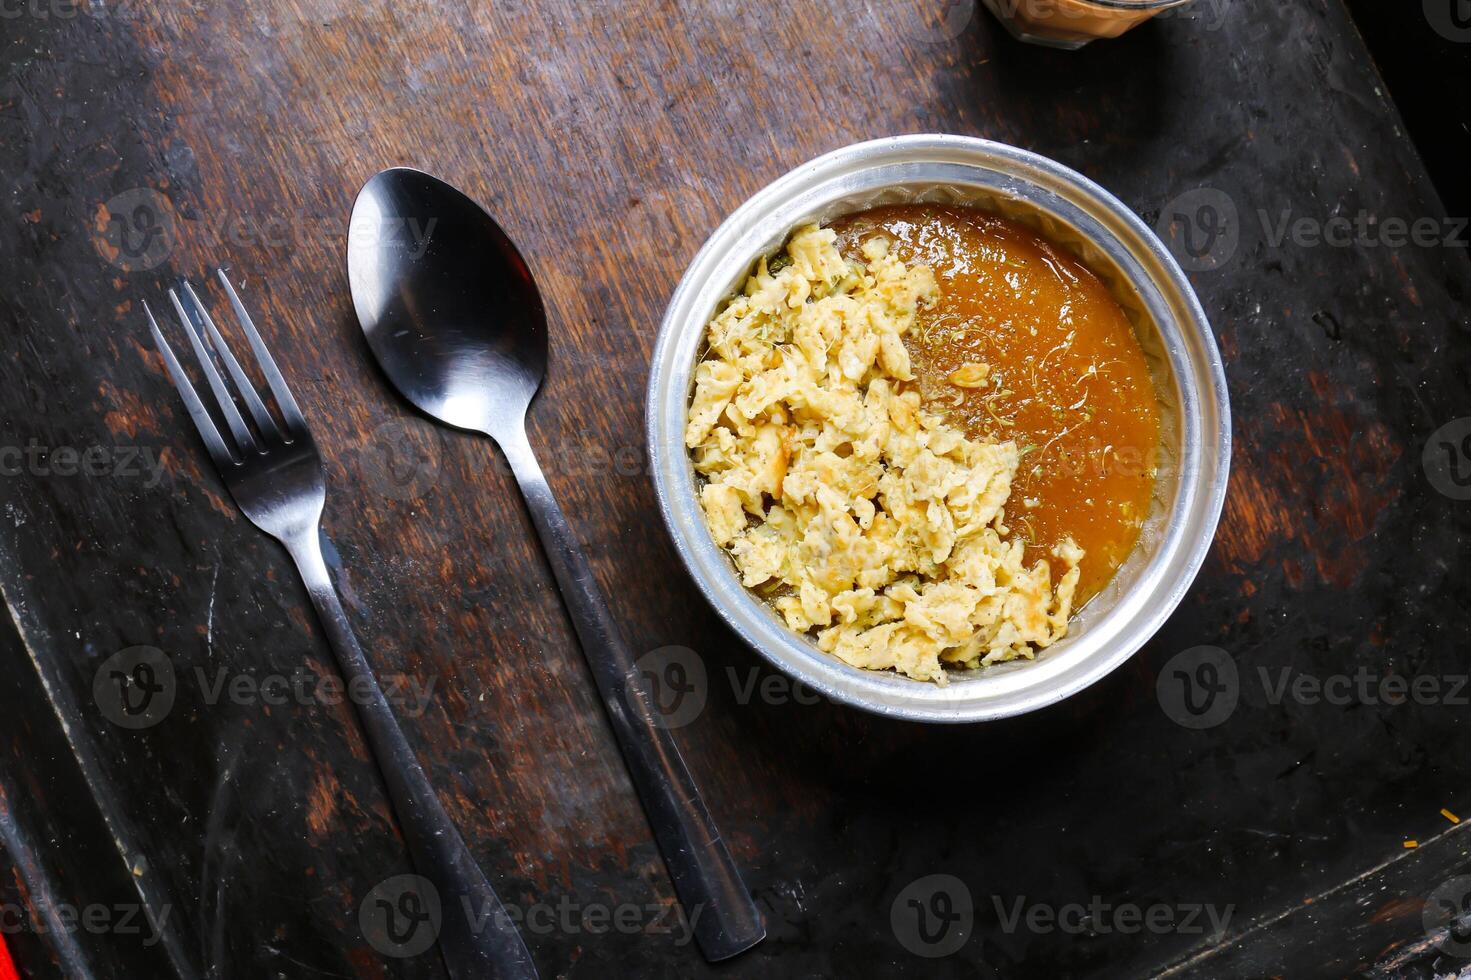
x,y
476,936
720,909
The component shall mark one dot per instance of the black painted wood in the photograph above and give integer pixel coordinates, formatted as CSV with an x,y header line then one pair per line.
x,y
1424,55
609,140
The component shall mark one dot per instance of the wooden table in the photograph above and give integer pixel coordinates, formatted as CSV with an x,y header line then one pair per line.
x,y
141,142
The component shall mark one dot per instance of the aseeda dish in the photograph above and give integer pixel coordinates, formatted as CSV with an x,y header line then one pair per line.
x,y
951,424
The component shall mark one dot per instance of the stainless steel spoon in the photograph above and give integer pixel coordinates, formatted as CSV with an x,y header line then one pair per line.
x,y
454,317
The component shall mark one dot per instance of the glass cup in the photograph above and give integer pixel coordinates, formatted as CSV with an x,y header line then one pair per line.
x,y
1073,23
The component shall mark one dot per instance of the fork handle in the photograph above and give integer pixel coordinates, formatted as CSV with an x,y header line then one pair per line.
x,y
476,937
723,916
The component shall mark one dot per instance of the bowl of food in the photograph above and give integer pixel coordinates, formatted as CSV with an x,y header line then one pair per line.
x,y
939,428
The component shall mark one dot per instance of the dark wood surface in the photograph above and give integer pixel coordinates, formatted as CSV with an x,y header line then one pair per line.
x,y
609,140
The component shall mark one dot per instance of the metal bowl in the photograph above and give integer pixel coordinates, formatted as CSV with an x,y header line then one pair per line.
x,y
1069,210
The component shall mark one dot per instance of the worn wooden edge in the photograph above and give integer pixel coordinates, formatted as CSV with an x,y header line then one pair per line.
x,y
59,845
1374,925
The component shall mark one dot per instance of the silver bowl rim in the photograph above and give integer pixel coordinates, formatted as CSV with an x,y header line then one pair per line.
x,y
765,220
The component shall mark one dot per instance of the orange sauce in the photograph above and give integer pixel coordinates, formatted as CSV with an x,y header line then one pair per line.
x,y
1068,380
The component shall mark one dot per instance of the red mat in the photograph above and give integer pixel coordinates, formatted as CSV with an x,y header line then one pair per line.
x,y
7,966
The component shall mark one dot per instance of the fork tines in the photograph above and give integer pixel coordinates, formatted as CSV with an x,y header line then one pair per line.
x,y
208,344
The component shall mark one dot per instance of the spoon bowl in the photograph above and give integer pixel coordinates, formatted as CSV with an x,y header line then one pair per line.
x,y
446,302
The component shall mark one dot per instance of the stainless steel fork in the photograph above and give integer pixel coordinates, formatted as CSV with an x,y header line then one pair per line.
x,y
274,472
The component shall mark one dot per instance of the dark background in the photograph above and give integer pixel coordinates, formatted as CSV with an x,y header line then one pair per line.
x,y
1428,76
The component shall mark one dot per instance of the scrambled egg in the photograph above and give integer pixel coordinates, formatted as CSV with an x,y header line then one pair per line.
x,y
870,523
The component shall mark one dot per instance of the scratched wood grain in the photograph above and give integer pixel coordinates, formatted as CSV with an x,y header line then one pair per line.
x,y
142,142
